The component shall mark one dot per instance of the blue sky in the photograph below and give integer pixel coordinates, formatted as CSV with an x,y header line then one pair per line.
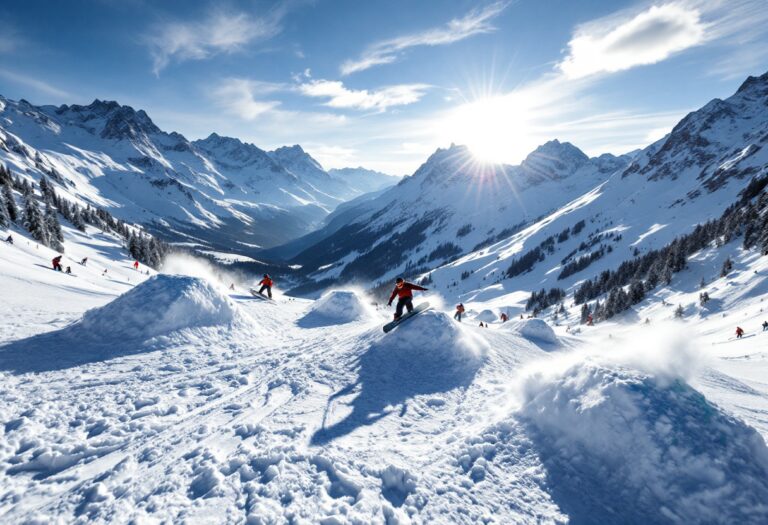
x,y
382,84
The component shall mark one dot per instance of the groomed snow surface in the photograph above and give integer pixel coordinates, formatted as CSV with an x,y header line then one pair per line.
x,y
164,399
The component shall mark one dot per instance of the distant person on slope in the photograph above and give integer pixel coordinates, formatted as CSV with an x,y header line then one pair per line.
x,y
739,332
459,312
84,261
765,326
504,317
136,265
69,270
404,291
9,240
57,263
266,284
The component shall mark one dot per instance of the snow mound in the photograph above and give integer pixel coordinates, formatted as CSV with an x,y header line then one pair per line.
x,y
337,307
619,444
436,334
486,316
534,329
429,354
162,305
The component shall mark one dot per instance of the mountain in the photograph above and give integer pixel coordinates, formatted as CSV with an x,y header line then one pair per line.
x,y
687,178
464,223
363,180
447,207
217,192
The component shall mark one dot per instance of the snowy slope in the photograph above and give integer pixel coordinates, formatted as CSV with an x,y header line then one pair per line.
x,y
685,179
450,205
489,216
181,401
217,191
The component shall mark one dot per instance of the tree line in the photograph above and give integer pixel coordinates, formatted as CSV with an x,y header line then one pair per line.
x,y
40,218
628,284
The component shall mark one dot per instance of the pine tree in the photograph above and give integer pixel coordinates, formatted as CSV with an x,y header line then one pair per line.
x,y
727,267
10,203
77,218
5,220
34,222
54,228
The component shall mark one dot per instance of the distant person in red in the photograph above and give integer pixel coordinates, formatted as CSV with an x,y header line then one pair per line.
x,y
739,332
404,291
136,265
57,263
590,321
459,312
266,284
504,317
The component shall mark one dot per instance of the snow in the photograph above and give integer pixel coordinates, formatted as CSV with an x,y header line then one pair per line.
x,y
171,398
338,307
159,306
534,329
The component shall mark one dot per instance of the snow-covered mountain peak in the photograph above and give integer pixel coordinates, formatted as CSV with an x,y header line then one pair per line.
x,y
109,120
554,159
234,153
752,84
298,161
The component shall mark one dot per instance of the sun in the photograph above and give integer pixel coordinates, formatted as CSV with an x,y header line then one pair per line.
x,y
495,128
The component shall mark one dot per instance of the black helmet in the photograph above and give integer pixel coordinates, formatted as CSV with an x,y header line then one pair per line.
x,y
399,280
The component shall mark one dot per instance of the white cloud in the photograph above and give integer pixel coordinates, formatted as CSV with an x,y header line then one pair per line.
x,y
475,22
36,84
239,97
617,43
219,33
379,99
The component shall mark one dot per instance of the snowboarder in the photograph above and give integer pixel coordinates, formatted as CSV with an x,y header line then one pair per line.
x,y
459,311
57,263
404,292
504,317
9,240
739,332
84,261
69,270
266,284
136,265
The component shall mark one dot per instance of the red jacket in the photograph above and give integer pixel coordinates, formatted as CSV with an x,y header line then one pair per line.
x,y
405,291
266,282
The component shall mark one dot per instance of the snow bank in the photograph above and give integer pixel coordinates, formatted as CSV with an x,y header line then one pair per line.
x,y
486,316
337,307
618,445
533,329
429,354
159,306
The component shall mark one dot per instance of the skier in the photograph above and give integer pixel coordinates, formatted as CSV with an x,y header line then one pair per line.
x,y
266,284
9,240
84,261
739,332
136,265
57,263
504,317
765,326
459,311
404,292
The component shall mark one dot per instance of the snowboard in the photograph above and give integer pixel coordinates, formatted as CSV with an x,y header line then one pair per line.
x,y
423,307
257,295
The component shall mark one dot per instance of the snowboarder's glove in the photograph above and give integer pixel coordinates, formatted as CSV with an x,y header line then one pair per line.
x,y
389,303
